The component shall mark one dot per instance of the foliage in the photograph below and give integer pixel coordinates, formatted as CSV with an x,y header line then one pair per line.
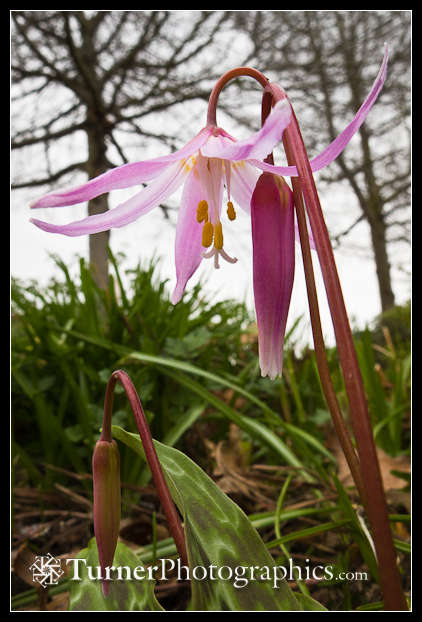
x,y
195,368
59,380
67,339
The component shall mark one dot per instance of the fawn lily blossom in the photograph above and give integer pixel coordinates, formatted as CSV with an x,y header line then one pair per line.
x,y
211,161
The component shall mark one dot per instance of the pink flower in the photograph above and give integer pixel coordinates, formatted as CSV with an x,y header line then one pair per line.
x,y
211,161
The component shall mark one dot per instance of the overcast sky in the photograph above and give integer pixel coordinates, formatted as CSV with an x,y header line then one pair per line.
x,y
152,235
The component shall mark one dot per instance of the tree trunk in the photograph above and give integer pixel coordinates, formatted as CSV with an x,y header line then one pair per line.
x,y
375,217
98,242
382,264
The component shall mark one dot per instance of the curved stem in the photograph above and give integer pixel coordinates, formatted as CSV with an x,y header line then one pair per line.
x,y
219,85
169,508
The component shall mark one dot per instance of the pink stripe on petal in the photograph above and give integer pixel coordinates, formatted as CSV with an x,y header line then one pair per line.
x,y
242,184
259,145
283,171
131,174
129,211
337,146
272,218
188,244
210,174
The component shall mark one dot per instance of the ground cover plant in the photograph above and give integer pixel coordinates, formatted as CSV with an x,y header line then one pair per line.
x,y
269,445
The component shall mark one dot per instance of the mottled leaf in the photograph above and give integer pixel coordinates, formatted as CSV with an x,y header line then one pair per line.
x,y
218,533
124,594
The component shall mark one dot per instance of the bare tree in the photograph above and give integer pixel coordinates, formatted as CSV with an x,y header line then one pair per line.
x,y
101,75
326,61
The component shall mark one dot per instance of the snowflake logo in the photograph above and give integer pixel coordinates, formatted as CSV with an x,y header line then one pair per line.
x,y
46,570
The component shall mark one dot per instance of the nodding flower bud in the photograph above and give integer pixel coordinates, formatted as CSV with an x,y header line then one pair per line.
x,y
106,478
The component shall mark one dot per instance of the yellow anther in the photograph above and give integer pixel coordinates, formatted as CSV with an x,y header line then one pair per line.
x,y
202,211
207,234
230,211
218,235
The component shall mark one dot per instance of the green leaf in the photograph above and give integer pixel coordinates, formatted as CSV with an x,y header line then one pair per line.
x,y
125,595
251,426
177,370
309,604
218,533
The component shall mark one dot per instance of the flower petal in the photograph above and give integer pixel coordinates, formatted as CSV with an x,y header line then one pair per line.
x,y
188,245
273,239
259,145
242,184
141,203
131,174
210,173
336,147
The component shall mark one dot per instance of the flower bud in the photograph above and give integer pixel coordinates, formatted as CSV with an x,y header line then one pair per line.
x,y
273,241
106,478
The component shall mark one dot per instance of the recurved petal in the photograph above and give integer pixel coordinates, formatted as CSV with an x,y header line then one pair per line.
x,y
138,205
188,245
132,174
336,147
259,145
273,239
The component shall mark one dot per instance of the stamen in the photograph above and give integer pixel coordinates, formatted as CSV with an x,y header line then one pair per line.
x,y
218,235
231,211
216,253
227,257
207,234
202,211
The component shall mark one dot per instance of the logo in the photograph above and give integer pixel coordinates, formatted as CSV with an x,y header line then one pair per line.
x,y
46,570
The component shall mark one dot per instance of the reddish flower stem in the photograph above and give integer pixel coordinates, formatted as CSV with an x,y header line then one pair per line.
x,y
329,392
320,352
373,491
269,95
364,467
169,508
219,85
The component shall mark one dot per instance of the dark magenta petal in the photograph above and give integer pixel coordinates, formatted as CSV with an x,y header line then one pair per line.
x,y
273,238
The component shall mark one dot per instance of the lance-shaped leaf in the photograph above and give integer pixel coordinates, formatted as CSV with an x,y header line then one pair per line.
x,y
128,595
218,533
